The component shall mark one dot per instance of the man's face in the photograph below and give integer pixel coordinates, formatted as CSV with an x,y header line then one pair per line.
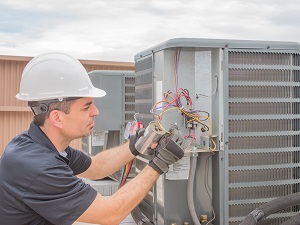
x,y
80,121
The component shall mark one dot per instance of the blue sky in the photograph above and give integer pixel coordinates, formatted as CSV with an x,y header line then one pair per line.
x,y
117,30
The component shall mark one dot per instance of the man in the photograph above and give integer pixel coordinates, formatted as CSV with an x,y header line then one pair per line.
x,y
38,170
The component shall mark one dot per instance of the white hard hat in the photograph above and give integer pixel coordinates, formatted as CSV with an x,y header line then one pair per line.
x,y
56,75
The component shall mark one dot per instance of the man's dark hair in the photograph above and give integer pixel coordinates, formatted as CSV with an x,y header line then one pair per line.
x,y
63,106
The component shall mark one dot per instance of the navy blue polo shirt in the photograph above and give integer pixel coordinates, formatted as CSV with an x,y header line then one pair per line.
x,y
40,186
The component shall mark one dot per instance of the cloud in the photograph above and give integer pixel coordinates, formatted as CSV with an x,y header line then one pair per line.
x,y
117,30
27,21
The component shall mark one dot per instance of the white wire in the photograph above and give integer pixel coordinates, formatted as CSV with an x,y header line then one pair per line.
x,y
212,94
206,188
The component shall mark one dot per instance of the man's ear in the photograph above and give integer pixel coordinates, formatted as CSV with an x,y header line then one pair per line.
x,y
55,118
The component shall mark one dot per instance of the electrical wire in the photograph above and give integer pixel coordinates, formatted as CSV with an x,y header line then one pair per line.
x,y
211,136
193,138
125,173
213,93
206,188
175,65
173,101
122,176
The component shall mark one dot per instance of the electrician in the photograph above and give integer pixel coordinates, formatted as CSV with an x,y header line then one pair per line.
x,y
38,170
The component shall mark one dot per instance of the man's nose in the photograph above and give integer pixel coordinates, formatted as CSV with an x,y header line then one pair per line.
x,y
95,111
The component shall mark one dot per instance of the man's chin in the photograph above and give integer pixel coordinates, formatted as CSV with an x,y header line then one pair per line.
x,y
87,134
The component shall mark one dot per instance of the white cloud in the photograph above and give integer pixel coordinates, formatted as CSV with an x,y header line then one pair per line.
x,y
117,30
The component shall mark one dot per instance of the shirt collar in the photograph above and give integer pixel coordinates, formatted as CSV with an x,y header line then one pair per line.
x,y
36,133
40,137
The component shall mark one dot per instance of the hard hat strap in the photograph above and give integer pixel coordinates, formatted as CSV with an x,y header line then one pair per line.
x,y
39,109
43,106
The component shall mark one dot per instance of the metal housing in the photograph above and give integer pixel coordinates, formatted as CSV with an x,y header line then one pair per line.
x,y
251,90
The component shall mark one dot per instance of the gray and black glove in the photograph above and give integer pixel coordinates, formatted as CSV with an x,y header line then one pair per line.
x,y
168,151
133,139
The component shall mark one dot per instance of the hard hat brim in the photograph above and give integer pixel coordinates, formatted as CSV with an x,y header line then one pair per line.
x,y
93,93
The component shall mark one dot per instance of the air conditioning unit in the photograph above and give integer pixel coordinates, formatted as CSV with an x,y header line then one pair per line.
x,y
117,108
246,139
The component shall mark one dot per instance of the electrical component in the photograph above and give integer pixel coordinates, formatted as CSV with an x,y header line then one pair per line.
x,y
152,134
203,219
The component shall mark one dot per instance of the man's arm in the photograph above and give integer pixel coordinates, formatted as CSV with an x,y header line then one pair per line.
x,y
114,209
108,162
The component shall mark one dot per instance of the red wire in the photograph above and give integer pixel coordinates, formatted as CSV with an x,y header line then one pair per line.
x,y
128,168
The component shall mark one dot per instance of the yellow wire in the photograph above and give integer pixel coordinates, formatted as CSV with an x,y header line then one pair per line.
x,y
192,116
188,114
184,112
174,107
214,144
162,127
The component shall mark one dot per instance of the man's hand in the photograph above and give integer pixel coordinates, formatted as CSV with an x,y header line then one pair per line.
x,y
133,139
168,151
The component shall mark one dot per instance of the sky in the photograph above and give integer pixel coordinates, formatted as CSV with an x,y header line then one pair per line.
x,y
117,30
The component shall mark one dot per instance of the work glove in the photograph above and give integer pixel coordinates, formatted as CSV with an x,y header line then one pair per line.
x,y
168,151
133,139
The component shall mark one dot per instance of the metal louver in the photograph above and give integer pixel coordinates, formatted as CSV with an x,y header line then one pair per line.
x,y
263,135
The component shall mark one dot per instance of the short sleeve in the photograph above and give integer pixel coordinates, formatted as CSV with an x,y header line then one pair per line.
x,y
79,161
59,196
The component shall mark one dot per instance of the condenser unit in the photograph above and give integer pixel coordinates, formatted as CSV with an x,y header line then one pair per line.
x,y
246,139
116,108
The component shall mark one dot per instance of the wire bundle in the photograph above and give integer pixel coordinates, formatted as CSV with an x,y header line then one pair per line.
x,y
173,101
125,173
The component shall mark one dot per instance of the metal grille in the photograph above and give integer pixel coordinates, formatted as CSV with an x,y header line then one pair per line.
x,y
264,158
144,89
263,151
260,192
270,75
266,142
273,174
143,105
263,92
129,98
259,58
263,108
264,125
